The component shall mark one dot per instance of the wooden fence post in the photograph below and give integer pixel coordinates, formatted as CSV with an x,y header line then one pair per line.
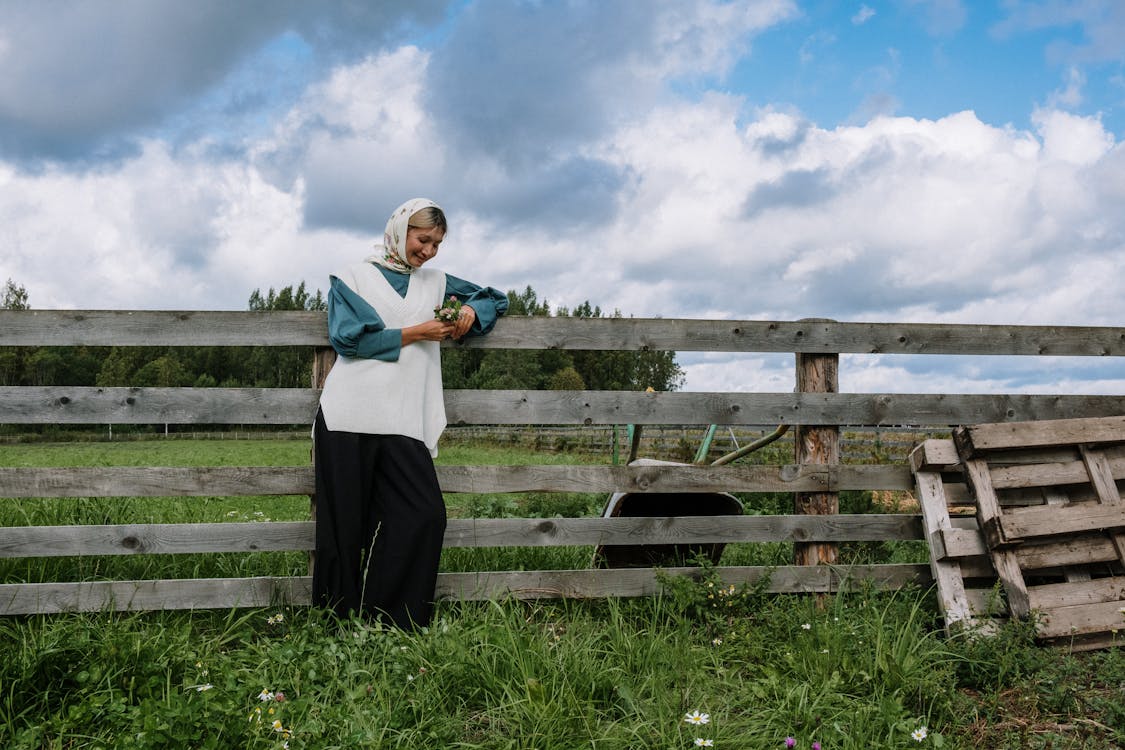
x,y
323,359
817,373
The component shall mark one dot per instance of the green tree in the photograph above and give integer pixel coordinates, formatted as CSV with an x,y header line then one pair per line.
x,y
281,366
566,379
12,358
557,369
624,370
15,297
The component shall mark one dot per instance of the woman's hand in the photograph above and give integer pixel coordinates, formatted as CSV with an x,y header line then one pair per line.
x,y
464,322
431,330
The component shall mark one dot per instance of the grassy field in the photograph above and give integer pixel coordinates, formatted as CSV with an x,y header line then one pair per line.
x,y
862,670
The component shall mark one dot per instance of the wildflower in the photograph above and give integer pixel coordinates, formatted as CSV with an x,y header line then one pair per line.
x,y
204,686
265,695
279,696
919,734
790,742
806,626
700,742
716,641
695,717
448,311
232,513
816,746
275,619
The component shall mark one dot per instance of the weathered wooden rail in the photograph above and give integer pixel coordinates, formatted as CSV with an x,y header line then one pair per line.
x,y
816,476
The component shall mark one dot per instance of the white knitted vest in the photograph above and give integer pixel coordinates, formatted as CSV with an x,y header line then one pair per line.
x,y
390,398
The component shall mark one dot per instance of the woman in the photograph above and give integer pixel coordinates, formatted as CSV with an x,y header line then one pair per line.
x,y
380,516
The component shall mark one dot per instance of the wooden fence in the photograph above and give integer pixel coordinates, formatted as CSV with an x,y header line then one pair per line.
x,y
816,475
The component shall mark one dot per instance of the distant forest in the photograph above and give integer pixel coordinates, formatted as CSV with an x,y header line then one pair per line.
x,y
291,367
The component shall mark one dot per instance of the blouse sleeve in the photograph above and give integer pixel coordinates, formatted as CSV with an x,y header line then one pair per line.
x,y
488,303
356,330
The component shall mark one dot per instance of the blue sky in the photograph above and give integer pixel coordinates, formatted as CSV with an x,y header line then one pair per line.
x,y
914,160
842,62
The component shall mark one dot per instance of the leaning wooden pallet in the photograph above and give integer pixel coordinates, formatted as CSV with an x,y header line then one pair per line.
x,y
965,581
1049,504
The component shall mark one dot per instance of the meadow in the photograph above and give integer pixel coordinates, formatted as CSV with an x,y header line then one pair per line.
x,y
699,666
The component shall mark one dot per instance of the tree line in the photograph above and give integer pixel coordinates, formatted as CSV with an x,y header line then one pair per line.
x,y
291,367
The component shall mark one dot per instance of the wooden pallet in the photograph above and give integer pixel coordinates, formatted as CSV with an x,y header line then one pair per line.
x,y
965,580
1050,521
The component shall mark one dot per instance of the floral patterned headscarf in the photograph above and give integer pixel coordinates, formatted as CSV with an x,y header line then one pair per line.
x,y
392,253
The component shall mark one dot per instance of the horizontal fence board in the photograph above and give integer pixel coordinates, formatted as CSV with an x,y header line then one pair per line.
x,y
585,584
224,593
288,328
226,481
119,596
162,328
618,407
505,532
156,481
154,539
670,479
92,405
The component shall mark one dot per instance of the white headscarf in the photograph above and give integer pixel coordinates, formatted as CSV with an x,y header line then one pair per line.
x,y
392,253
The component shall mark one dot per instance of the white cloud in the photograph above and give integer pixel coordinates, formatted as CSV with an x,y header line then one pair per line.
x,y
863,15
654,202
941,17
1071,94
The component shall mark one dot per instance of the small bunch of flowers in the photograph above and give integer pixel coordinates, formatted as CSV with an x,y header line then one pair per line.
x,y
275,619
448,311
721,597
792,742
266,698
697,719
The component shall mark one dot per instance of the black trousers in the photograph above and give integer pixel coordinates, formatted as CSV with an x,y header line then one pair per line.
x,y
380,521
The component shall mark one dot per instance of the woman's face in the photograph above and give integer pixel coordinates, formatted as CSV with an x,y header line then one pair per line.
x,y
422,244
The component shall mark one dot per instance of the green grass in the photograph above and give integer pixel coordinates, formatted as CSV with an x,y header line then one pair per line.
x,y
859,670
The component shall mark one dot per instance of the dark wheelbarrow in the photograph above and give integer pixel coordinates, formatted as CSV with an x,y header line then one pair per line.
x,y
670,504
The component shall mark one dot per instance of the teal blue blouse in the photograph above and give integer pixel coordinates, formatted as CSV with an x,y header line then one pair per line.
x,y
356,330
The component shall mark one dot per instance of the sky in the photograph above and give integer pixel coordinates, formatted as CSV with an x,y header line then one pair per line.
x,y
931,161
